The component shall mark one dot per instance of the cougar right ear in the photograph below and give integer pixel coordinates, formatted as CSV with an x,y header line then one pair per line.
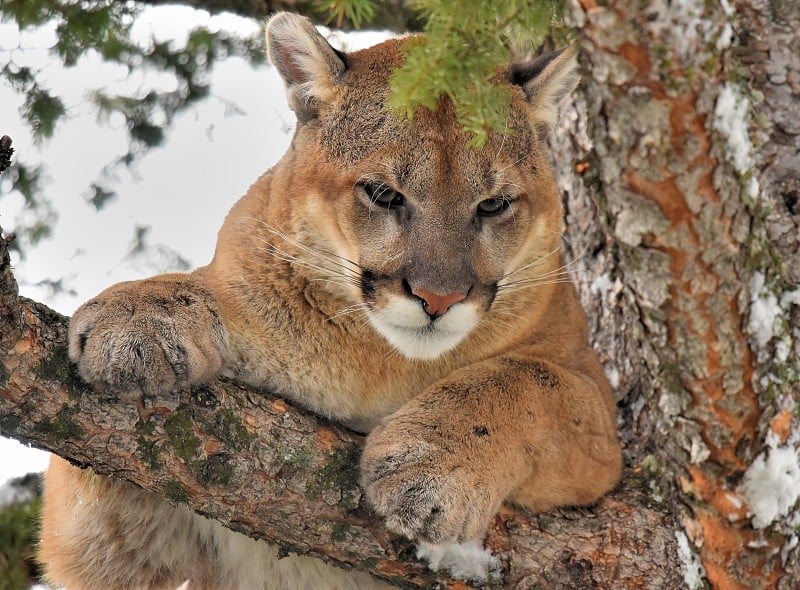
x,y
311,69
546,81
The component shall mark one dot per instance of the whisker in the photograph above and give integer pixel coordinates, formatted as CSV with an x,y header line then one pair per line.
x,y
290,258
526,156
507,313
391,353
557,274
331,257
538,284
286,257
357,308
333,281
561,278
507,304
325,255
535,263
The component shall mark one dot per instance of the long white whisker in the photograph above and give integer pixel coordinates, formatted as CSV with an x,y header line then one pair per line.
x,y
537,284
350,266
526,156
555,274
325,255
286,257
507,313
358,307
535,263
333,281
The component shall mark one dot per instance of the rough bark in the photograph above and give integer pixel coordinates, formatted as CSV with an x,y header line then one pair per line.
x,y
688,227
277,473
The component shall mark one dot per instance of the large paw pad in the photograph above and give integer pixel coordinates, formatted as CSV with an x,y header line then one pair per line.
x,y
147,337
425,492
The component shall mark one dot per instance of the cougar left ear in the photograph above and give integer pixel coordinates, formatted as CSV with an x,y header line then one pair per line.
x,y
309,66
547,80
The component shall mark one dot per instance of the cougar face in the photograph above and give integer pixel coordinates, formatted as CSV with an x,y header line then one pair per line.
x,y
432,224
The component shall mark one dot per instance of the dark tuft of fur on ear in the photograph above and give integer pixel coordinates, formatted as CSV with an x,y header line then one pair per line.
x,y
547,80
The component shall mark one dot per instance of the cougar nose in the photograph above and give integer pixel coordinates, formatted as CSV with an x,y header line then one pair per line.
x,y
435,305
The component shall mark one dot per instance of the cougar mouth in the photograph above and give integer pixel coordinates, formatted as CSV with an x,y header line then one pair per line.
x,y
407,327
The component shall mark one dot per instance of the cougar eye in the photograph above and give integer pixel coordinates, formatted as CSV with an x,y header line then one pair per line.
x,y
383,196
493,206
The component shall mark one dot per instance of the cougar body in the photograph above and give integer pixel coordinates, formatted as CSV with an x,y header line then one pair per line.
x,y
385,274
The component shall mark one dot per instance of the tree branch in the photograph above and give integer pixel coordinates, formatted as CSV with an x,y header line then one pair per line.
x,y
275,472
6,151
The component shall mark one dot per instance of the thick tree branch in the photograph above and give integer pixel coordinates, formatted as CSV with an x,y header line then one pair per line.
x,y
274,472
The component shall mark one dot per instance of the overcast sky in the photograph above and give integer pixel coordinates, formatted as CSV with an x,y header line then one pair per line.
x,y
182,189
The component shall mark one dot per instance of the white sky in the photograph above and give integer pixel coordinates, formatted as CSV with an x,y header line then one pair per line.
x,y
182,189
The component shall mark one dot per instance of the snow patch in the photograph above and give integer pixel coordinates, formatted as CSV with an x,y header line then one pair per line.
x,y
764,311
693,570
612,374
782,349
464,561
725,37
727,7
790,298
730,121
601,284
771,484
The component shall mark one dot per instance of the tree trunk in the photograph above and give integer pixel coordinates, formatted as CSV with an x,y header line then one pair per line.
x,y
688,142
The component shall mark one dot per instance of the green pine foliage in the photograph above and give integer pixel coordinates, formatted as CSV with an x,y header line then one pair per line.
x,y
341,12
103,27
19,525
466,42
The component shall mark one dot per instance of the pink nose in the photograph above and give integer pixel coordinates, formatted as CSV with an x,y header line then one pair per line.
x,y
435,305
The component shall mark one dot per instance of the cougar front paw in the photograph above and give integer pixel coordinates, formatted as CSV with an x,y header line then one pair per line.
x,y
425,491
148,336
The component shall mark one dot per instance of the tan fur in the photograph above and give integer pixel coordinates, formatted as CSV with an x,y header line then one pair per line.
x,y
492,395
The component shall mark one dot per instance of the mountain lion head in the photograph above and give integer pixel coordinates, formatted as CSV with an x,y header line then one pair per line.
x,y
429,235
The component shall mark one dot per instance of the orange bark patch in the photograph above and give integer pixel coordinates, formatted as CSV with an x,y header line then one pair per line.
x,y
24,344
781,425
726,502
393,568
637,56
326,439
665,194
721,579
213,446
278,405
726,541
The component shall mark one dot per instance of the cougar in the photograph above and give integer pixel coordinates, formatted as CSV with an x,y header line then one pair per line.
x,y
389,275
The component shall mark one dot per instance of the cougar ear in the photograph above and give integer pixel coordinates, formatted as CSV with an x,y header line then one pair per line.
x,y
546,80
309,66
